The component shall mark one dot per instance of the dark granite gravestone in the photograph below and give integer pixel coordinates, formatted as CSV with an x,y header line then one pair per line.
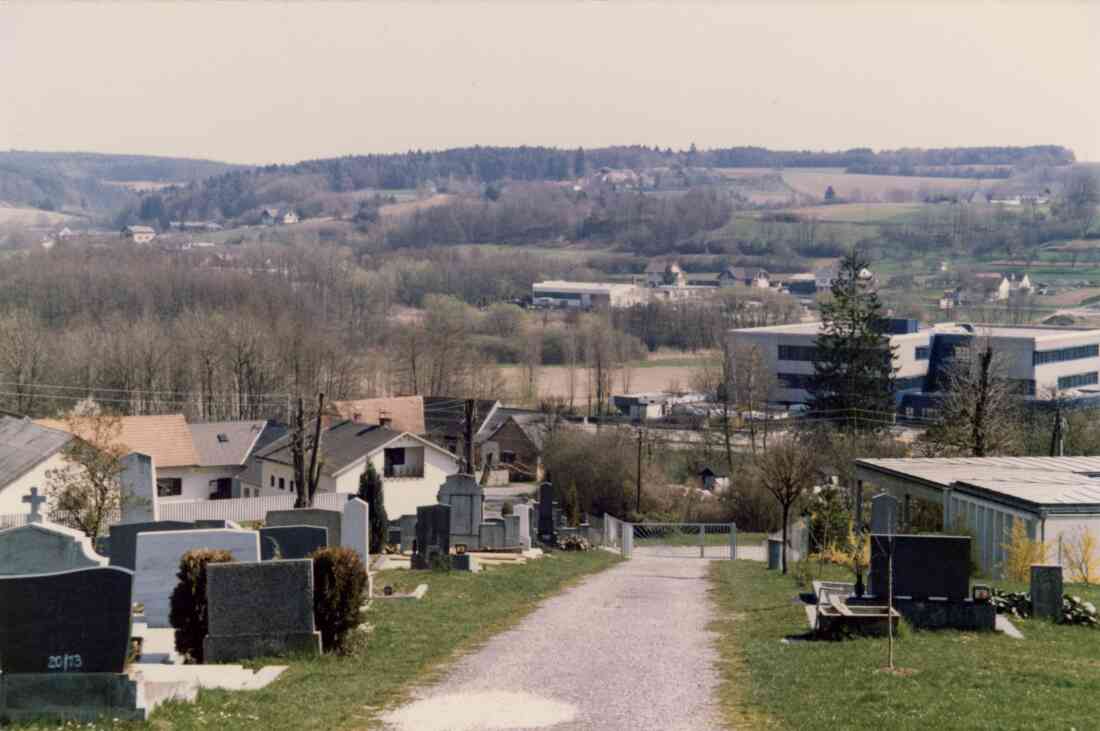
x,y
491,535
924,566
467,499
214,524
884,513
258,609
331,520
546,512
124,539
433,534
67,622
291,541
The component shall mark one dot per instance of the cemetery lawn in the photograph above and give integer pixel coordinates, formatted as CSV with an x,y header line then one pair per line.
x,y
410,642
949,679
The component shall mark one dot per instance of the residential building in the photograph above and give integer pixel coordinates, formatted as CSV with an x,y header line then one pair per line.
x,y
412,468
801,285
269,216
139,234
515,442
660,272
714,479
27,452
400,413
745,277
1010,287
289,217
586,295
445,422
223,449
1041,360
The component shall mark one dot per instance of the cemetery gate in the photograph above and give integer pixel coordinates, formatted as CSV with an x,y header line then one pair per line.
x,y
681,540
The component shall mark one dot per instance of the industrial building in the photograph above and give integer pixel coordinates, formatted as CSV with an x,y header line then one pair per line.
x,y
586,295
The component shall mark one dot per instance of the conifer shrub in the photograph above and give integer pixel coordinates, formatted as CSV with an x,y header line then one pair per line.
x,y
339,585
188,610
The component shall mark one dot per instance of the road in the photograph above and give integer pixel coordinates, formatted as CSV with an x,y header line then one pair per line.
x,y
628,648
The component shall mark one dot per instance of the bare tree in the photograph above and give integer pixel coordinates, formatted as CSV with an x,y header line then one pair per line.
x,y
788,471
86,492
305,451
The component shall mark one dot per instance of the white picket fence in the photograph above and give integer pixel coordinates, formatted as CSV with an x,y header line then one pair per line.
x,y
12,520
242,509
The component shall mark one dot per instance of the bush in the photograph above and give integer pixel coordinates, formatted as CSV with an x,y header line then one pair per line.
x,y
339,581
188,611
573,543
507,509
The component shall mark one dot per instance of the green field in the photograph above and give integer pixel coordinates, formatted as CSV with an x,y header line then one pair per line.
x,y
947,679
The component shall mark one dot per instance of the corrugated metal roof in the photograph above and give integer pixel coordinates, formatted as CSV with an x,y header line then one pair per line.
x,y
24,444
1043,481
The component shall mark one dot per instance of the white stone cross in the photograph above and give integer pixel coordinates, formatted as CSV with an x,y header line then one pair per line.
x,y
34,500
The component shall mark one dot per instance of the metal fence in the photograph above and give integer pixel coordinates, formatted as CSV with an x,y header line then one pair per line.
x,y
242,509
684,540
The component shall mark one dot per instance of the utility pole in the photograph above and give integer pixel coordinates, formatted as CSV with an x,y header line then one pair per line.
x,y
638,490
468,447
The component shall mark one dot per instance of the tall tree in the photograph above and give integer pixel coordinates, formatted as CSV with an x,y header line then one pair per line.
x,y
305,451
86,492
979,410
854,362
372,493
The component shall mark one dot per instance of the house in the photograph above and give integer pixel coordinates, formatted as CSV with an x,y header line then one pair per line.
x,y
411,467
269,216
445,422
400,413
952,298
27,452
742,276
516,442
139,234
661,273
713,479
823,277
223,449
803,284
65,233
1010,287
290,217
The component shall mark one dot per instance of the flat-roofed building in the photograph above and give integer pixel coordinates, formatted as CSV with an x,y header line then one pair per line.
x,y
586,295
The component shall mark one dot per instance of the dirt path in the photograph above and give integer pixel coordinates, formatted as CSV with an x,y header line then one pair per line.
x,y
626,649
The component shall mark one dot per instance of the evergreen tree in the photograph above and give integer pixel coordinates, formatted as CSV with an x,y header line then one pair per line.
x,y
370,491
853,364
830,194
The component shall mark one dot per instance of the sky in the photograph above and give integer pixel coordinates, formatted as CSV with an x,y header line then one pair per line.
x,y
280,82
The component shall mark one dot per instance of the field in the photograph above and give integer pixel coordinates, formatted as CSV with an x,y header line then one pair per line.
x,y
814,182
32,217
858,212
973,680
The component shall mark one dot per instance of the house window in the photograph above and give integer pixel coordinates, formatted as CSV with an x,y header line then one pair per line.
x,y
403,462
507,457
169,486
922,352
273,480
282,484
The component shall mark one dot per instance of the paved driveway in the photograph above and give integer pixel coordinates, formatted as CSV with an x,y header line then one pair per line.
x,y
626,649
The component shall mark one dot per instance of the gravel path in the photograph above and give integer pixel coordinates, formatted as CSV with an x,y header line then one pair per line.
x,y
626,649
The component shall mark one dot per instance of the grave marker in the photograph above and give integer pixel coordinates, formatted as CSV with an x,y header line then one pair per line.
x,y
433,526
546,512
328,519
466,498
139,489
355,529
924,566
291,541
123,541
44,548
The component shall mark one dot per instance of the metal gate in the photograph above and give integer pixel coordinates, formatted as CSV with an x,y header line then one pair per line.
x,y
680,540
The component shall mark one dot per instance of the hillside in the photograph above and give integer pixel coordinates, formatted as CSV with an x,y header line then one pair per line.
x,y
91,182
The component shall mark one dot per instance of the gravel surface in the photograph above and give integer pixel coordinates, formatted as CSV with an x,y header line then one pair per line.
x,y
626,649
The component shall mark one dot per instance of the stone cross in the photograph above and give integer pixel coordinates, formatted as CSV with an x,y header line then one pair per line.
x,y
34,500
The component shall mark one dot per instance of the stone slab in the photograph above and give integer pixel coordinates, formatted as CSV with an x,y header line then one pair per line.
x,y
211,677
408,532
1046,591
433,525
291,541
158,558
466,497
465,562
123,540
924,566
523,514
138,488
69,622
491,535
328,519
355,528
84,697
43,548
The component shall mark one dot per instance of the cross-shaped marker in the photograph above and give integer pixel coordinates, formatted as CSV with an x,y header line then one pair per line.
x,y
34,500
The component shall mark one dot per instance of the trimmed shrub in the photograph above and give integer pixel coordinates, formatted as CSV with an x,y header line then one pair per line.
x,y
507,509
188,611
339,583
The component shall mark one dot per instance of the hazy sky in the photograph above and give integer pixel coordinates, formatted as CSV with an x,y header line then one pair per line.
x,y
259,83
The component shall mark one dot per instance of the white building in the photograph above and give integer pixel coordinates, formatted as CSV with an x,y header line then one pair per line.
x,y
139,234
586,295
653,405
412,468
27,452
1040,359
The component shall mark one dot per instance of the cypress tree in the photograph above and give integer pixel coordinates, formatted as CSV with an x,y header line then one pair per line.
x,y
853,365
370,491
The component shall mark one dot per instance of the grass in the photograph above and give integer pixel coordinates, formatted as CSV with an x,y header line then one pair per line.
x,y
411,641
952,679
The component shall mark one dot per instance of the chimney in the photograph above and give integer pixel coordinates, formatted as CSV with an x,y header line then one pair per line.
x,y
384,419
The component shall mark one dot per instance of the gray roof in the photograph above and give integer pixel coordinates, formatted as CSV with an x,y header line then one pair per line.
x,y
341,445
24,445
222,443
1053,484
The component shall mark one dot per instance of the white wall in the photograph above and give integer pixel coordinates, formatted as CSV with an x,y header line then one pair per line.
x,y
12,494
196,481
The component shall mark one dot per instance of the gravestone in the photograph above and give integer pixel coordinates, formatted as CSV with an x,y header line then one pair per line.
x,y
511,531
884,514
924,566
328,519
433,527
1046,591
775,554
291,541
523,514
408,532
158,560
45,548
138,483
67,622
216,524
491,535
123,541
466,497
260,609
355,529
546,512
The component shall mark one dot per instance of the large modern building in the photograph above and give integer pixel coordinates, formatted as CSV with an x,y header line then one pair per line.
x,y
1041,360
586,295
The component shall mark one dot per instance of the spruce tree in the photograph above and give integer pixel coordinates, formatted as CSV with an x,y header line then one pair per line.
x,y
370,491
853,379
